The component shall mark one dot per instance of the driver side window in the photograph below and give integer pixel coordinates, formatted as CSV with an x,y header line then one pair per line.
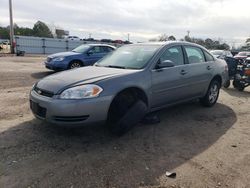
x,y
173,54
95,50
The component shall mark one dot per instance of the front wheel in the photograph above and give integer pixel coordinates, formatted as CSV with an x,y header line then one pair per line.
x,y
212,94
75,64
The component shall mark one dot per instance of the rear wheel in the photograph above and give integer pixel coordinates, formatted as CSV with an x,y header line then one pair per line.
x,y
237,85
240,87
212,94
125,112
75,64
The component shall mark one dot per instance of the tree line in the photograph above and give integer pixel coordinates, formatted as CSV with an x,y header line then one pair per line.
x,y
207,43
40,29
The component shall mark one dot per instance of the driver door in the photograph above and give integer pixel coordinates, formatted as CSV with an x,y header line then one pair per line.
x,y
168,84
94,54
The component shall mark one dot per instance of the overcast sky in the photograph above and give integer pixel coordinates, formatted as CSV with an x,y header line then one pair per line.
x,y
143,19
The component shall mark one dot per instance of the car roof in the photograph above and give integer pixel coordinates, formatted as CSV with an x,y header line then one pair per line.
x,y
101,45
169,43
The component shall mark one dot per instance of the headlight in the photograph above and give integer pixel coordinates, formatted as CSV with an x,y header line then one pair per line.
x,y
81,92
59,59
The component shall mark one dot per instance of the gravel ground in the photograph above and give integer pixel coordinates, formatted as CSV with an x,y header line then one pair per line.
x,y
206,147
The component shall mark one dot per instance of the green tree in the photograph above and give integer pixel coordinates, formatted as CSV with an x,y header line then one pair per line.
x,y
4,33
40,29
172,38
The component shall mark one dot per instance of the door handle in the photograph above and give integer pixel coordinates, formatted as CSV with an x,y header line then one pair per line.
x,y
183,72
209,68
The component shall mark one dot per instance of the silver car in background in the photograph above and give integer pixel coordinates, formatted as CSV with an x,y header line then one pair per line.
x,y
129,83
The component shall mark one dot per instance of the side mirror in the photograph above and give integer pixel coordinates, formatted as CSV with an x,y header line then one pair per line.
x,y
89,53
165,64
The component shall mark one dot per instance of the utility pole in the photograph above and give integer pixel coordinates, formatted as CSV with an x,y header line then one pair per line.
x,y
11,29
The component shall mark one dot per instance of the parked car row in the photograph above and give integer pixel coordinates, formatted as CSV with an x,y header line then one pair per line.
x,y
75,38
133,80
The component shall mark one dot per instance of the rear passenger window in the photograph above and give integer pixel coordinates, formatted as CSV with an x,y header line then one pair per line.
x,y
194,54
208,56
106,49
173,54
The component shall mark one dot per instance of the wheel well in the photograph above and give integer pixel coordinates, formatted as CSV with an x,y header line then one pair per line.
x,y
129,95
136,93
218,78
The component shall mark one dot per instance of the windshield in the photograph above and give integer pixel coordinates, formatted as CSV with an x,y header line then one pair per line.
x,y
129,56
216,52
81,49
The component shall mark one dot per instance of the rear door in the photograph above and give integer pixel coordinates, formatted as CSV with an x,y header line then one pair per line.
x,y
200,68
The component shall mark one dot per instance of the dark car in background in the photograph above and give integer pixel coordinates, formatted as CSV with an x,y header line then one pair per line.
x,y
83,55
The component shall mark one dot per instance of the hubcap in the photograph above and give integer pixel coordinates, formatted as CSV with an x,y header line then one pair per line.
x,y
213,93
75,65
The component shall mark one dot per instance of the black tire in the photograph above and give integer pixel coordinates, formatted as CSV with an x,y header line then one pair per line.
x,y
212,94
235,84
75,64
124,114
241,88
226,84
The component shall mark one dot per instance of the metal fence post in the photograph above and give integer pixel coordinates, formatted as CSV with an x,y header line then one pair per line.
x,y
43,46
67,45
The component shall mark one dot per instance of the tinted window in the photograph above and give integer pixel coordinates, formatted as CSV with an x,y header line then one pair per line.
x,y
106,49
194,54
173,54
208,56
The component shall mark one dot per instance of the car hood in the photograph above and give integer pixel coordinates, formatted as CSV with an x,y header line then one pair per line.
x,y
57,82
63,54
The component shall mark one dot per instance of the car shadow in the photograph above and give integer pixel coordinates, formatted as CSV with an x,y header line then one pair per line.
x,y
40,75
234,92
46,155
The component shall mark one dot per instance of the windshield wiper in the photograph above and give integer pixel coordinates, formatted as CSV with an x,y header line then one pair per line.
x,y
116,66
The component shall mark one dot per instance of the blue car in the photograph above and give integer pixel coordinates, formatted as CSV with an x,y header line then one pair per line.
x,y
83,55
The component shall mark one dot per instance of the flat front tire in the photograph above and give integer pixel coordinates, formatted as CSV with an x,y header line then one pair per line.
x,y
127,116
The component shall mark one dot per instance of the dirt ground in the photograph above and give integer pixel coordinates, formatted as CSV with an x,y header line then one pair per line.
x,y
206,147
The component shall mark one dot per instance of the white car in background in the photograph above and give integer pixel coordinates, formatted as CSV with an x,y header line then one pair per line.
x,y
73,38
221,53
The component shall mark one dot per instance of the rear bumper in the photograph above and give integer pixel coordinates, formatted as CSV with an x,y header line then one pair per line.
x,y
69,112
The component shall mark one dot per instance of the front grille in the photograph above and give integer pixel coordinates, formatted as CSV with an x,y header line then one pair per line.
x,y
43,92
37,109
49,59
70,118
